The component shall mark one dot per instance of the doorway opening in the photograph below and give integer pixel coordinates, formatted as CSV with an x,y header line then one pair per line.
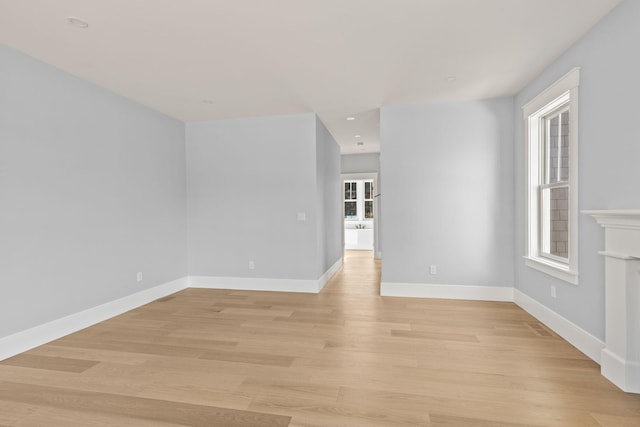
x,y
360,212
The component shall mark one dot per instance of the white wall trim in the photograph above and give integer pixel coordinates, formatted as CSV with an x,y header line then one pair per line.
x,y
563,84
47,332
310,286
462,292
576,336
254,284
324,279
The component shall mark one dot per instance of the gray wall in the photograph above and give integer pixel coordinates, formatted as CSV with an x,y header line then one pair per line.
x,y
360,163
247,181
92,190
329,196
448,192
609,151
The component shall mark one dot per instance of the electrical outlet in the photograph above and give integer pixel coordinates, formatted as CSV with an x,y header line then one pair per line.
x,y
553,292
139,276
433,269
252,265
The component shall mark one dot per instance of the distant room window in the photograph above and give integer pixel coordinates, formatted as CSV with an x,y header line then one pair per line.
x,y
358,200
368,199
351,200
552,203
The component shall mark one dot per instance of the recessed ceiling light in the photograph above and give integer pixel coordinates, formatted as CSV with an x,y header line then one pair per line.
x,y
77,22
452,78
351,118
357,136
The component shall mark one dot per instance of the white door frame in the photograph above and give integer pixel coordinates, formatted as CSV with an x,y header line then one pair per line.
x,y
376,205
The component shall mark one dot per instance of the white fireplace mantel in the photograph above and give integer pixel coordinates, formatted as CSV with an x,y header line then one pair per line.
x,y
620,360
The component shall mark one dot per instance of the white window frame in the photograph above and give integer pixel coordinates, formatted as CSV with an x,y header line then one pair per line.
x,y
356,200
365,199
359,200
562,92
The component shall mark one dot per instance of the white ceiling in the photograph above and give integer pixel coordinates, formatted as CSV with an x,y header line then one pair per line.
x,y
211,59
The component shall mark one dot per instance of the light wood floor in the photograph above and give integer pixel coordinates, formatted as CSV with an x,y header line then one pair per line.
x,y
345,357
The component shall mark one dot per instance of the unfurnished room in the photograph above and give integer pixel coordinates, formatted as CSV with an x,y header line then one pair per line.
x,y
319,213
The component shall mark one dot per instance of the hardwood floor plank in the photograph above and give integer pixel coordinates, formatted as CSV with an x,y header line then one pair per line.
x,y
13,413
438,336
53,350
68,418
199,395
334,413
251,358
132,347
607,420
438,420
50,363
283,387
138,408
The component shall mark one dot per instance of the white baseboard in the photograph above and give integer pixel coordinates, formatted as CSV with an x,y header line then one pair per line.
x,y
254,284
576,336
42,334
329,274
265,284
625,374
461,292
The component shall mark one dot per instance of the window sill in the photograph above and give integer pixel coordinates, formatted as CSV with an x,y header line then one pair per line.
x,y
555,269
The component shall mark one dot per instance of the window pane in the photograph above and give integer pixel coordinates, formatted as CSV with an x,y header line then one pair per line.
x,y
368,190
350,191
557,148
350,210
564,147
555,221
368,209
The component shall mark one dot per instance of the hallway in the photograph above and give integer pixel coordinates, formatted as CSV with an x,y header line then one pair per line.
x,y
360,275
344,357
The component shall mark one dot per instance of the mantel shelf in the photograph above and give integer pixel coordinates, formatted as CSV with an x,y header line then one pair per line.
x,y
616,218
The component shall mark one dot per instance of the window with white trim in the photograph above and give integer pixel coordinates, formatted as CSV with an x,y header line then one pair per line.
x,y
358,200
350,200
551,125
368,199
